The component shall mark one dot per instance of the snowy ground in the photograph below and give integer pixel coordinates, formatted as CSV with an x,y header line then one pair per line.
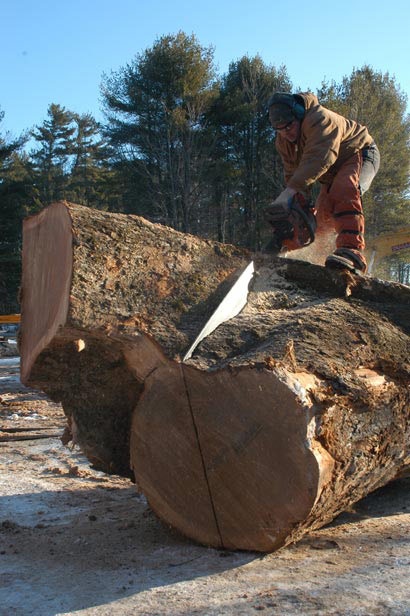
x,y
76,541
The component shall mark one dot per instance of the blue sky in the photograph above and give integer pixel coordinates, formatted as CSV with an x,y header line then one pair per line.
x,y
56,52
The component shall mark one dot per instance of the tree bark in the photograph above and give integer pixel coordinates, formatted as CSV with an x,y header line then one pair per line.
x,y
285,415
105,298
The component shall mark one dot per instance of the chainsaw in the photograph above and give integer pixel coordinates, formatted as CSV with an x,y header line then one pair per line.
x,y
293,225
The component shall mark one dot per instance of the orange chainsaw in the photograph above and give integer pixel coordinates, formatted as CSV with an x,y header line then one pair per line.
x,y
293,224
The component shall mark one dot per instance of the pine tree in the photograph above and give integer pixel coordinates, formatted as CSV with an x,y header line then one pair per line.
x,y
88,169
374,99
155,107
247,171
52,159
15,194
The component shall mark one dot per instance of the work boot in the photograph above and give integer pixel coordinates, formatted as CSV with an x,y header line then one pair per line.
x,y
347,259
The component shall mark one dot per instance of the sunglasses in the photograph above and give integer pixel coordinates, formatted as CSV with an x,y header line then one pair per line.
x,y
285,127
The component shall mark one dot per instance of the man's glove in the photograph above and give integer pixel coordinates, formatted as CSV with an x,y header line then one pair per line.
x,y
293,222
279,210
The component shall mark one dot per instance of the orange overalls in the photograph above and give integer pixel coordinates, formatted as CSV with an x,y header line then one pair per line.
x,y
339,205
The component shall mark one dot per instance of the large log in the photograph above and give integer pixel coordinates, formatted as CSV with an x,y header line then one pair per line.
x,y
104,298
286,415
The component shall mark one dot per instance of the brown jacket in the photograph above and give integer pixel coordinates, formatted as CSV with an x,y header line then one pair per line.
x,y
326,141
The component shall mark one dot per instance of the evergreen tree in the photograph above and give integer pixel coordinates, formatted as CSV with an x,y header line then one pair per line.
x,y
155,108
72,161
52,159
89,164
15,190
374,99
247,172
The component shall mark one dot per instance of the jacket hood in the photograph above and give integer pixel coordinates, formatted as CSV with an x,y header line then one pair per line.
x,y
308,99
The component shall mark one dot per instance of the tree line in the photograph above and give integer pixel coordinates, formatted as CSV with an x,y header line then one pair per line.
x,y
186,147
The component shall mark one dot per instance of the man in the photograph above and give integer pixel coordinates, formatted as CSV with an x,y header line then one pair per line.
x,y
317,144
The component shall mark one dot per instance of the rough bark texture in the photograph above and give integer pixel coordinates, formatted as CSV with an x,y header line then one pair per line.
x,y
285,415
105,297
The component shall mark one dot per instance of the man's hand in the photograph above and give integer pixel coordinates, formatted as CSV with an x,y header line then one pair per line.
x,y
285,196
279,209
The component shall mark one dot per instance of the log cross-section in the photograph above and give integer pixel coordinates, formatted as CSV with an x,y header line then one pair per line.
x,y
245,427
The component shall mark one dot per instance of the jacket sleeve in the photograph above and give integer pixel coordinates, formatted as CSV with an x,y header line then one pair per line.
x,y
322,134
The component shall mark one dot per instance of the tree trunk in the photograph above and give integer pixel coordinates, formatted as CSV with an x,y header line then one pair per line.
x,y
284,416
106,298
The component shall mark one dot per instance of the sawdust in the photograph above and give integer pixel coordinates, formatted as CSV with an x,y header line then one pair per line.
x,y
324,245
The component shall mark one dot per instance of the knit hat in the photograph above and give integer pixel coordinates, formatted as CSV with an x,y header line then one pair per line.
x,y
280,115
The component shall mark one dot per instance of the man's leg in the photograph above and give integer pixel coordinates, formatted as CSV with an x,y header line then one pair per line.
x,y
370,166
345,201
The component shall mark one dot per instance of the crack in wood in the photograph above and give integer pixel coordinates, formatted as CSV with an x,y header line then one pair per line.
x,y
202,456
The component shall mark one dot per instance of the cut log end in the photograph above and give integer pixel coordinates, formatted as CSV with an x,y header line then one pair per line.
x,y
228,459
46,279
